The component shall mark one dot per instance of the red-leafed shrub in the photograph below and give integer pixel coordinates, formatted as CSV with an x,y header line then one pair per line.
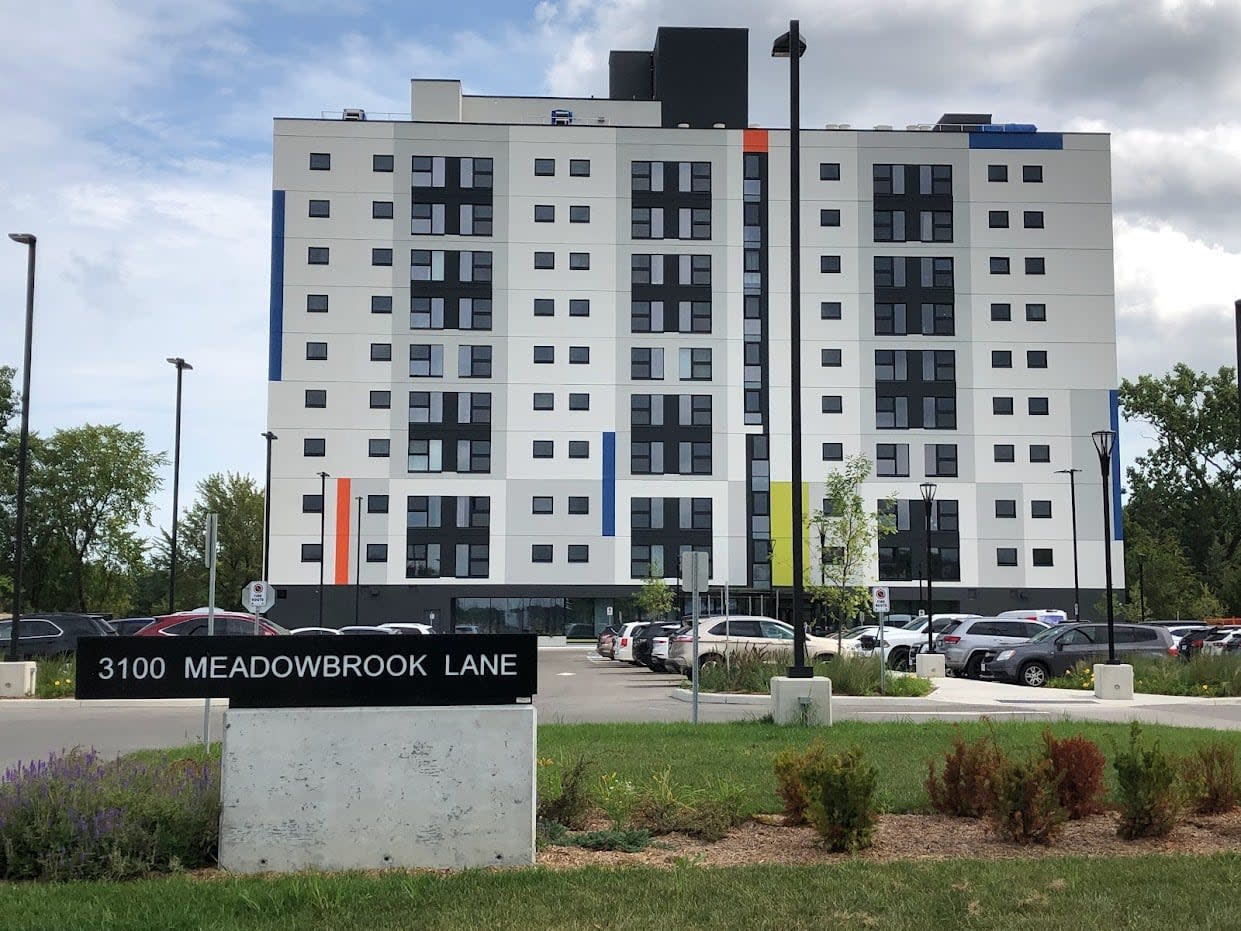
x,y
965,786
1077,765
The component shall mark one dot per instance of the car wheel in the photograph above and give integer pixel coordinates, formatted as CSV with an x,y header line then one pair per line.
x,y
898,660
973,668
1033,674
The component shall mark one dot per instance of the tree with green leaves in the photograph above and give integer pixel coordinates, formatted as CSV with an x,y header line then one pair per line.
x,y
655,599
238,501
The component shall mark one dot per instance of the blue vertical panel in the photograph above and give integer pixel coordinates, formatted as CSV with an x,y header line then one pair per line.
x,y
609,484
275,336
1118,518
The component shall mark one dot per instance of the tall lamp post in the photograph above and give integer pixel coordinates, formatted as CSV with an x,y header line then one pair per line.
x,y
269,436
1072,474
1104,441
323,477
23,450
928,496
791,46
181,366
357,566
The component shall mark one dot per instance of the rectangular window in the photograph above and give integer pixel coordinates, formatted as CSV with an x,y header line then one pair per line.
x,y
997,172
579,504
317,255
997,219
314,447
316,397
1005,452
541,504
892,413
579,402
320,161
646,364
477,173
1005,508
1036,313
829,171
1040,510
833,452
830,358
426,265
1001,359
474,361
1032,174
829,310
381,400
545,260
941,460
1036,266
381,256
1006,556
543,449
544,355
579,261
578,552
426,361
376,504
1042,557
1036,358
579,307
579,168
427,219
381,163
426,456
316,352
428,170
695,364
381,303
833,404
377,552
426,313
312,552
1001,406
544,213
1038,406
579,449
999,265
312,504
378,448
579,213
829,264
544,167
544,307
476,219
544,401
1040,452
381,352
316,303
1002,312
320,208
381,210
892,460
541,552
579,355
829,218
1033,219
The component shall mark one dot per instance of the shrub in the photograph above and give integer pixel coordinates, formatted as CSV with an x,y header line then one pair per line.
x,y
1146,788
788,766
76,816
567,799
1077,767
1211,774
1025,802
840,799
624,841
965,787
55,676
750,671
706,813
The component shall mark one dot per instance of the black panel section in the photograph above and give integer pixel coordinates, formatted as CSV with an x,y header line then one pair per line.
x,y
902,555
702,76
449,530
904,286
631,76
660,523
928,373
758,510
961,122
452,196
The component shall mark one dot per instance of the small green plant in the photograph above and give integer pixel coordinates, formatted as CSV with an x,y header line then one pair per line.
x,y
788,767
840,799
55,677
567,799
965,786
707,813
1211,775
626,841
1077,766
617,797
1025,803
751,671
1146,788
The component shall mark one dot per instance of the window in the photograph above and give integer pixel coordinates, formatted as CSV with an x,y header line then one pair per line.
x,y
579,355
579,307
941,460
829,264
426,456
1006,556
316,352
1033,219
1001,359
1032,174
381,303
1005,452
1038,406
999,265
1036,266
544,213
376,504
381,210
1001,406
427,219
544,401
544,355
997,219
320,208
695,364
316,397
1042,557
316,303
892,459
833,452
541,552
474,361
579,402
545,260
997,172
579,261
476,219
833,404
1040,452
428,170
646,364
544,307
377,552
543,449
579,213
426,313
312,504
378,448
381,256
544,167
1036,313
312,552
829,218
381,163
646,223
426,361
381,352
317,255
579,552
829,310
830,358
477,173
1005,508
541,504
892,413
1040,509
314,447
1036,358
320,161
1002,312
579,449
579,504
579,168
829,171
474,456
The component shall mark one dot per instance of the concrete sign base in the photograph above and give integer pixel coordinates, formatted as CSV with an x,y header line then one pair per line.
x,y
801,701
1113,682
930,665
371,788
17,680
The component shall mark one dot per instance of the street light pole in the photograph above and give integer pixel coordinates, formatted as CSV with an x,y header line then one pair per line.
x,y
323,477
357,566
928,496
269,436
791,46
28,240
1072,473
181,366
1104,440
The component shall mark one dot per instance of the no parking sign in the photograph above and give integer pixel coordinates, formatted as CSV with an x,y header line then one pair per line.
x,y
881,602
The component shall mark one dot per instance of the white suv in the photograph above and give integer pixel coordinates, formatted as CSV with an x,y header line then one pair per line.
x,y
965,643
718,637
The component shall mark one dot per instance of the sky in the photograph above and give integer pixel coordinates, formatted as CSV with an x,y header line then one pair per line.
x,y
137,147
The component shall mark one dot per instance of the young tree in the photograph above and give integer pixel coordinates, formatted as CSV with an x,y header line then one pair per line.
x,y
238,500
847,533
655,599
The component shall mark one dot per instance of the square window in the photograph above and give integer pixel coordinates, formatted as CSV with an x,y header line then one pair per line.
x,y
1033,219
1042,557
316,303
1005,452
320,208
833,452
1001,359
1038,406
316,397
1036,313
316,352
579,261
1036,266
1006,556
315,447
541,504
999,265
543,449
829,171
579,168
545,260
997,172
1032,174
544,167
378,448
579,504
579,449
381,256
376,504
312,504
831,358
544,307
381,163
377,552
579,355
381,352
579,213
381,303
312,552
541,552
1001,406
829,264
1036,358
1040,452
997,219
317,255
579,552
1040,509
892,459
544,213
579,402
829,310
544,401
829,218
1001,312
381,210
579,307
544,355
1005,508
833,404
320,161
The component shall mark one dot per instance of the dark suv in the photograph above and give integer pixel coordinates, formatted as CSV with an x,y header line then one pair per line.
x,y
1058,649
41,635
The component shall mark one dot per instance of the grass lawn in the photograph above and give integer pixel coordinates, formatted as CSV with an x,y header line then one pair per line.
x,y
1015,895
741,753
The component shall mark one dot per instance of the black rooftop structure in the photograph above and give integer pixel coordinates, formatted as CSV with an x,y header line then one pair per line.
x,y
961,122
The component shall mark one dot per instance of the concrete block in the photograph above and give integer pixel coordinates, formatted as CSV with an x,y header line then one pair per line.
x,y
798,701
553,641
372,788
930,665
17,680
1113,682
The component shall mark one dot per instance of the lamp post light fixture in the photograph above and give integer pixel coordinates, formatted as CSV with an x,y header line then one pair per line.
x,y
1104,442
323,477
791,46
29,240
181,366
928,496
1072,474
269,436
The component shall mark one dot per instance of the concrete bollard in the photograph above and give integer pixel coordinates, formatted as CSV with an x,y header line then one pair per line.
x,y
801,701
1113,682
930,665
17,680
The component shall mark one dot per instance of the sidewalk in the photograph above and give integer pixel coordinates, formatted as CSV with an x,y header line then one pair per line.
x,y
982,692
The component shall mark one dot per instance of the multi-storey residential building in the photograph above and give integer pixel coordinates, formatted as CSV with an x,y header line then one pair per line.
x,y
540,347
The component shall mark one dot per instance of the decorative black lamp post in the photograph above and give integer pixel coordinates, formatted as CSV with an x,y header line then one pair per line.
x,y
928,496
1104,441
269,436
181,366
1072,474
29,240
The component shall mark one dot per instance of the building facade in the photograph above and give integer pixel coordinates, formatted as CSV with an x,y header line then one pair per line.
x,y
527,351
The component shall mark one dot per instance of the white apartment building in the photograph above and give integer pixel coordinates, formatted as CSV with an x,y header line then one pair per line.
x,y
525,351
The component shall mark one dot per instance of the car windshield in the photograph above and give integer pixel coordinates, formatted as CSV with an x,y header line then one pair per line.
x,y
1047,634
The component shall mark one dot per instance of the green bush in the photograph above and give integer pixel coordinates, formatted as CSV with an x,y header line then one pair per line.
x,y
787,767
625,841
750,672
55,677
965,788
565,796
1146,788
1077,767
1025,805
840,799
707,813
1211,776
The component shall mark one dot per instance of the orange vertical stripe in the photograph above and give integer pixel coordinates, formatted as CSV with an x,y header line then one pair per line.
x,y
342,531
754,140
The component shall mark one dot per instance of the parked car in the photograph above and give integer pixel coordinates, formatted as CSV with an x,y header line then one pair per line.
x,y
901,644
52,634
1191,643
1046,615
1056,650
622,649
1222,640
366,630
314,632
408,627
644,645
194,624
607,638
720,637
128,626
966,642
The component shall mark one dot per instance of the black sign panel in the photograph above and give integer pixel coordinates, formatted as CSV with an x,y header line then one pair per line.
x,y
301,672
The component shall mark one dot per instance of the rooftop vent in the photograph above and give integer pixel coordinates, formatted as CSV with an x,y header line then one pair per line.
x,y
353,113
885,127
562,117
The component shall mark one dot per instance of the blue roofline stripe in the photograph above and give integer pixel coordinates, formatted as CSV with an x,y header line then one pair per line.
x,y
1016,140
275,336
609,484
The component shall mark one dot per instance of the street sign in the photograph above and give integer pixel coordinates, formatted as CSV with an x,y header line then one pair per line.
x,y
258,597
881,599
609,610
209,541
695,572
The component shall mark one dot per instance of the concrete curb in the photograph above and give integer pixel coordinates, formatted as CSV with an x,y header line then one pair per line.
x,y
721,698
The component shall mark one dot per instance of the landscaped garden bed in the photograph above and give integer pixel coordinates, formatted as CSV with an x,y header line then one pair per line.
x,y
750,673
1200,677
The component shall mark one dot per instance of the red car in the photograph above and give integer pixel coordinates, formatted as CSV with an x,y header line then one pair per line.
x,y
194,624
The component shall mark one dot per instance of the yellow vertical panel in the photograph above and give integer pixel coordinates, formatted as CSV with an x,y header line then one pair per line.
x,y
781,531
